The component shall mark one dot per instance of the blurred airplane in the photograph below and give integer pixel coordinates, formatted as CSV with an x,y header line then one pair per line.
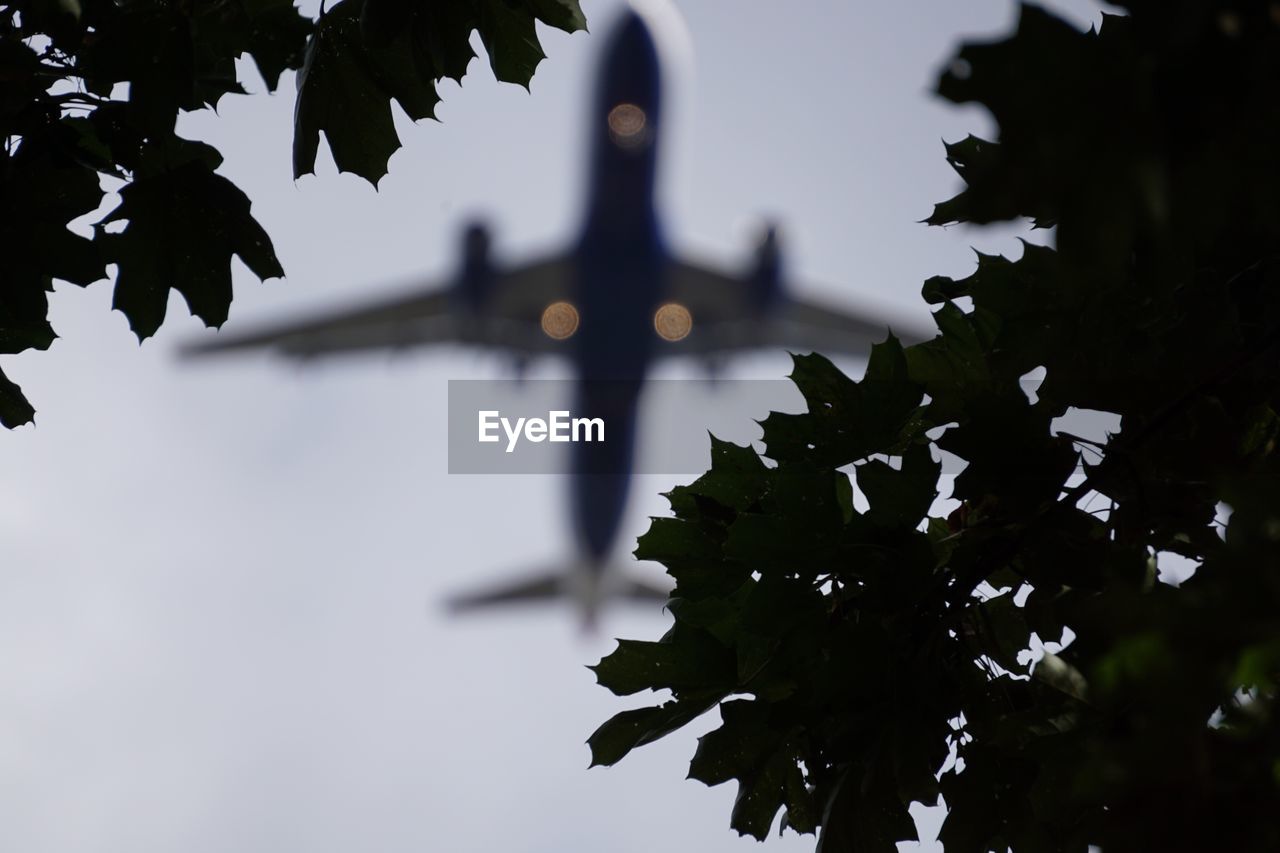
x,y
613,302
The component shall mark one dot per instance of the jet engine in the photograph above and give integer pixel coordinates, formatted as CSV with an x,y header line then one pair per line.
x,y
475,277
765,275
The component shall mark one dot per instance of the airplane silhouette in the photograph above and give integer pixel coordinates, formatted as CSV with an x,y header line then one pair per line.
x,y
613,302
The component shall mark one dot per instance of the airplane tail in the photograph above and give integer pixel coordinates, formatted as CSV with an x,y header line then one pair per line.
x,y
588,588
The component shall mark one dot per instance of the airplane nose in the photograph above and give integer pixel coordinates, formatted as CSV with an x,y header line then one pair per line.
x,y
632,26
633,39
631,67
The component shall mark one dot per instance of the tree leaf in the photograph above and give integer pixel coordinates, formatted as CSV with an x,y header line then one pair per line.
x,y
345,90
14,408
864,814
846,420
509,37
746,748
900,498
276,38
183,228
366,53
625,731
737,479
41,190
688,658
562,14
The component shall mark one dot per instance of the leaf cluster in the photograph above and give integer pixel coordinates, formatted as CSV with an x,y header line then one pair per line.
x,y
91,93
367,53
865,655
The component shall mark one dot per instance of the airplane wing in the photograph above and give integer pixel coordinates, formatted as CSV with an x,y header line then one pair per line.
x,y
510,319
623,584
727,317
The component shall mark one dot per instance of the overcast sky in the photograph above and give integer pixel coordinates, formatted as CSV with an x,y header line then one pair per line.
x,y
219,621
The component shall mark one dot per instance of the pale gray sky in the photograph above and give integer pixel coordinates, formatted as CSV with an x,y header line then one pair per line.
x,y
218,626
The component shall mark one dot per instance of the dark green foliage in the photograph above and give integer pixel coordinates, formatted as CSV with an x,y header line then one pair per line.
x,y
868,648
64,124
14,408
185,223
366,53
346,89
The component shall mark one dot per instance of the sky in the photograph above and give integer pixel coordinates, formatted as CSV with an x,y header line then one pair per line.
x,y
220,584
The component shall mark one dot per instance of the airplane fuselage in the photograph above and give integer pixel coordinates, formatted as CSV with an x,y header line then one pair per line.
x,y
621,260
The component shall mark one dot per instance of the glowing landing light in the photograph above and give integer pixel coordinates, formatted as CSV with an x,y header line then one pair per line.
x,y
559,320
628,126
673,322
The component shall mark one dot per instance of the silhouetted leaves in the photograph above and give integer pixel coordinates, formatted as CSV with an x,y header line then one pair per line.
x,y
184,225
183,57
346,91
688,657
42,190
14,408
846,421
67,121
871,645
277,37
747,748
900,498
861,816
365,54
630,729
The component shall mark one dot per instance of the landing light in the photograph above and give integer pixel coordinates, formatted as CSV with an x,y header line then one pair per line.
x,y
628,126
559,320
672,322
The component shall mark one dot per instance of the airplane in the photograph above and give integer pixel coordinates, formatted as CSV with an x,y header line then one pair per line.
x,y
613,302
